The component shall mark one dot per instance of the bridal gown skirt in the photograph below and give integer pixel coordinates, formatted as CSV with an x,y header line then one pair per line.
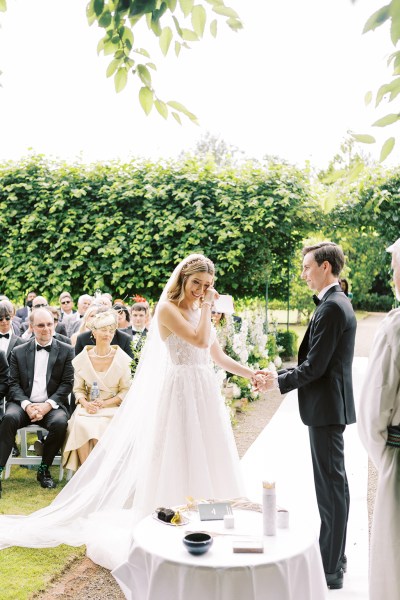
x,y
194,452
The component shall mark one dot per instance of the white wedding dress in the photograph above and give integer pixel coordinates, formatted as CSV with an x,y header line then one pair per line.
x,y
170,439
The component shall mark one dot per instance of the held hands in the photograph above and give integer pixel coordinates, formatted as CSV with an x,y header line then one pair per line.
x,y
265,381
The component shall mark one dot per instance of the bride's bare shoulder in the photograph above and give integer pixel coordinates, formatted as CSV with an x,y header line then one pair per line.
x,y
167,306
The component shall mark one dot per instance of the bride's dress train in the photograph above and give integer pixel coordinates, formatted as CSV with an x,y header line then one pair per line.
x,y
170,439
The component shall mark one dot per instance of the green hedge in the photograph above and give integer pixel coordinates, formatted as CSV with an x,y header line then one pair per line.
x,y
123,227
287,340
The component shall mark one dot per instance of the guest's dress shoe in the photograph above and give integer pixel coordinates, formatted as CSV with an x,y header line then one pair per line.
x,y
45,479
343,563
334,581
38,447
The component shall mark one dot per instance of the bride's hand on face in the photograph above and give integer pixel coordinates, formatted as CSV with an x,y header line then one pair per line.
x,y
210,295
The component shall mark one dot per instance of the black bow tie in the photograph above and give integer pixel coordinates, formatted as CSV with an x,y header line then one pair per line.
x,y
6,335
316,299
47,348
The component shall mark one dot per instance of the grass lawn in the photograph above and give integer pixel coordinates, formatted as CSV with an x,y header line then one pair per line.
x,y
27,571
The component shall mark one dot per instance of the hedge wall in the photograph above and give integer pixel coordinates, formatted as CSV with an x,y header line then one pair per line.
x,y
123,227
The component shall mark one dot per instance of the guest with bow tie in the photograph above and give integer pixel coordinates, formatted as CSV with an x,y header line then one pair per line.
x,y
41,378
323,378
8,340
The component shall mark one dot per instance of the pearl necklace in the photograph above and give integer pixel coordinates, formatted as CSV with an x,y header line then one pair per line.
x,y
102,355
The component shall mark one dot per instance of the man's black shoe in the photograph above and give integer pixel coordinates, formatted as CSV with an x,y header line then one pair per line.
x,y
334,581
343,563
45,479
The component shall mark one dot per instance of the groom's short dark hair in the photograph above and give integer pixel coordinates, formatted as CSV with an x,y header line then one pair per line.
x,y
330,252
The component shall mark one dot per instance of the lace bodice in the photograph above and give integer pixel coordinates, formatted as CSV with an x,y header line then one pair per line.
x,y
183,353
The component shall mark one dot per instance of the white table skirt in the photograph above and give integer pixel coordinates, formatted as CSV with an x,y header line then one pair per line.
x,y
160,568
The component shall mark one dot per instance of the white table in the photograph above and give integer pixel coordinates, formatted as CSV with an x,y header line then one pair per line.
x,y
160,567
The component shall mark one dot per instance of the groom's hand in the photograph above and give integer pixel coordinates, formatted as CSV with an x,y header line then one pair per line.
x,y
265,381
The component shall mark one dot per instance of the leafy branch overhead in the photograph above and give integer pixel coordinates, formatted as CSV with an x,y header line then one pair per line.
x,y
176,23
388,91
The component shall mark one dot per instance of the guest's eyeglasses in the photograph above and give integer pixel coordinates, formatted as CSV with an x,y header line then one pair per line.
x,y
43,325
66,302
39,305
5,318
55,319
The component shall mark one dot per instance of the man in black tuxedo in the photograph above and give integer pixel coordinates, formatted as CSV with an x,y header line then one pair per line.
x,y
8,340
41,377
325,391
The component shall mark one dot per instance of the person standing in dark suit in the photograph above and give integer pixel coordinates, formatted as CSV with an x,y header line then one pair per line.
x,y
325,392
41,378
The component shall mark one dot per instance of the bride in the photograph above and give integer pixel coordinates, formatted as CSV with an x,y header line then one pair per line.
x,y
170,439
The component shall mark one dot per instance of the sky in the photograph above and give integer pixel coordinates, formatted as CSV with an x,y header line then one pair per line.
x,y
290,84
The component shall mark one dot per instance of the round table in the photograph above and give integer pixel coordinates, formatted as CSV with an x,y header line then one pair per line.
x,y
160,567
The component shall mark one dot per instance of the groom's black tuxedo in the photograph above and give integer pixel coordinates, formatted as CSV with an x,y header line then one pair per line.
x,y
323,375
59,381
325,392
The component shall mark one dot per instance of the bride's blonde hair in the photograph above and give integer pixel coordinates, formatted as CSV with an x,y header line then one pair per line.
x,y
194,263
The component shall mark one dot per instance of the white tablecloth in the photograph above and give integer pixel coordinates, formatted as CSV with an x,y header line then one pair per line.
x,y
160,567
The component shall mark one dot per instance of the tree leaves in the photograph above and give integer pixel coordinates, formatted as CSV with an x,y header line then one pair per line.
x,y
377,18
387,148
118,20
3,5
120,79
363,138
199,19
387,120
165,40
146,99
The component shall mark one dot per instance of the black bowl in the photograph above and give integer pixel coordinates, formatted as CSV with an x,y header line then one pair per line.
x,y
198,543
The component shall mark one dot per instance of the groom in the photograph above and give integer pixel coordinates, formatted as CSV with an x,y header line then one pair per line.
x,y
325,392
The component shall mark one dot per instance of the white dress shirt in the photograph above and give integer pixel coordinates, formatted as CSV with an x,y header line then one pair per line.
x,y
4,342
325,289
39,388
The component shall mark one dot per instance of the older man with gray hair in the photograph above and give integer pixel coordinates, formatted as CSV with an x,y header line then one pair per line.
x,y
73,321
379,429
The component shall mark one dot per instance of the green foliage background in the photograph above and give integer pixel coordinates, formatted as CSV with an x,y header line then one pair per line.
x,y
123,227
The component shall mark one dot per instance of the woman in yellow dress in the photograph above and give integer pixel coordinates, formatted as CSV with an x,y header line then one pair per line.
x,y
109,367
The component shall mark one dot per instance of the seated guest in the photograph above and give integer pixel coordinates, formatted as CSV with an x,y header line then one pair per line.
x,y
66,305
59,327
41,378
4,378
37,302
8,340
84,323
23,313
139,312
74,322
8,337
30,332
124,318
121,339
109,367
